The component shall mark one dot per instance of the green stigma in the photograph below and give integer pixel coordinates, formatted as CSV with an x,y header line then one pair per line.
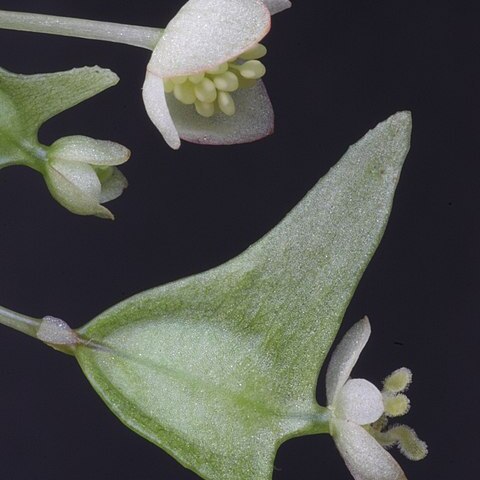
x,y
210,91
398,381
397,404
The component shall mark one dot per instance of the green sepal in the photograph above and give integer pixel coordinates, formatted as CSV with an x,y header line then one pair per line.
x,y
28,101
220,368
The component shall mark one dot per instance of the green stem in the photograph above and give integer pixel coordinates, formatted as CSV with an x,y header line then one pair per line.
x,y
50,330
33,155
19,322
137,36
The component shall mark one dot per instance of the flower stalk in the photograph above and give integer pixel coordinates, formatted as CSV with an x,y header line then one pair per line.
x,y
133,35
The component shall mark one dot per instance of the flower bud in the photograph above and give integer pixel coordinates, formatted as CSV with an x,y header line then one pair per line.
x,y
80,174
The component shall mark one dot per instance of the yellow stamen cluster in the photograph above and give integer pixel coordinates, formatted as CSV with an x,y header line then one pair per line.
x,y
210,91
396,404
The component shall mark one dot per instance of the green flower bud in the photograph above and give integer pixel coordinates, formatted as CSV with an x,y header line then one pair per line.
x,y
80,174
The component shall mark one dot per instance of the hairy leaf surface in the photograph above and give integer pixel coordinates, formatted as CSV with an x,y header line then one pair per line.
x,y
220,368
27,101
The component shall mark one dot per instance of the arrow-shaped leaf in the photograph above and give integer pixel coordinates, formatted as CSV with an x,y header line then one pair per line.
x,y
220,368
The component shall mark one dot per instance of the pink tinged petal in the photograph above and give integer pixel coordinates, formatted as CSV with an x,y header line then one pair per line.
x,y
345,357
253,119
365,458
157,109
359,401
277,6
206,33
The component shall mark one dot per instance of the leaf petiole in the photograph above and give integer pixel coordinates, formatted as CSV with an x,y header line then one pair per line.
x,y
17,321
50,330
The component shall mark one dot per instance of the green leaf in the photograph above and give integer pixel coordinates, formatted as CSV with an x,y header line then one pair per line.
x,y
27,101
220,368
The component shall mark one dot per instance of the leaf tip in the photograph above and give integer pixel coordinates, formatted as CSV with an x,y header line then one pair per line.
x,y
107,73
401,123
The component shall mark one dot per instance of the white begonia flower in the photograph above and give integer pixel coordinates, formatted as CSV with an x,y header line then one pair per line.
x,y
80,174
360,413
203,79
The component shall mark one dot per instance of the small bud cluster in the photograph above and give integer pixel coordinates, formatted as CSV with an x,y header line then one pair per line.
x,y
210,91
397,404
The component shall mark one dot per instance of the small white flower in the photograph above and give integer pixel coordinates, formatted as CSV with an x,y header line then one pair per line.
x,y
360,413
80,174
203,80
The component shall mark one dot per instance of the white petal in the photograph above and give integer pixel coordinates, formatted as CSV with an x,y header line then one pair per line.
x,y
80,175
157,109
206,33
365,458
276,6
113,187
253,119
359,401
88,150
345,357
76,187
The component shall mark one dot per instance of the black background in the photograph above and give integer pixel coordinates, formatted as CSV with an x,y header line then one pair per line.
x,y
335,69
